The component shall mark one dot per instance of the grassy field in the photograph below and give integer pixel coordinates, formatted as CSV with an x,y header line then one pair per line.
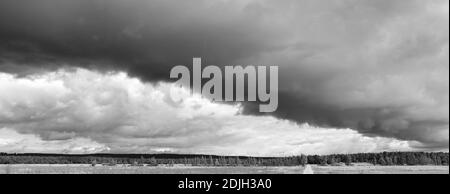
x,y
120,169
370,169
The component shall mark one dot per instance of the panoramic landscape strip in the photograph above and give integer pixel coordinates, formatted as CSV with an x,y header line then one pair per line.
x,y
362,163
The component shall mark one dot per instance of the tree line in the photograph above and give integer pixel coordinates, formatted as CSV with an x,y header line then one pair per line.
x,y
384,158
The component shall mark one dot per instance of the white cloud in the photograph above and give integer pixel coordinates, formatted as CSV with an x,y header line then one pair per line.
x,y
13,142
82,111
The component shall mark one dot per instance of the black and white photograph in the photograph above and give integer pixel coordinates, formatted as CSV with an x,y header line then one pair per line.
x,y
224,87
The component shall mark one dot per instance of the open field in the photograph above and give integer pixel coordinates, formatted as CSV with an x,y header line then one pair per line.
x,y
120,169
370,169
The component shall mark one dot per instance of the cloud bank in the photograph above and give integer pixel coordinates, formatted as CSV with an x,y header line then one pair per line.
x,y
378,67
82,111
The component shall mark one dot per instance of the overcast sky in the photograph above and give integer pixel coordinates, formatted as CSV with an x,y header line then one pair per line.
x,y
85,76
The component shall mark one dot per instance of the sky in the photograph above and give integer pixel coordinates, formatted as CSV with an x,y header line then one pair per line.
x,y
92,76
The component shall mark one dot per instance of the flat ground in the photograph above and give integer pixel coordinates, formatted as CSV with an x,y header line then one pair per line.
x,y
370,169
310,169
120,169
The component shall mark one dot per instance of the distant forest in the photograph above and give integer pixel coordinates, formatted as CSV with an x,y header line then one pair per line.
x,y
385,158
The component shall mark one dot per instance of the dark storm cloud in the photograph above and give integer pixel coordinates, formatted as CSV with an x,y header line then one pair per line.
x,y
379,67
146,38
